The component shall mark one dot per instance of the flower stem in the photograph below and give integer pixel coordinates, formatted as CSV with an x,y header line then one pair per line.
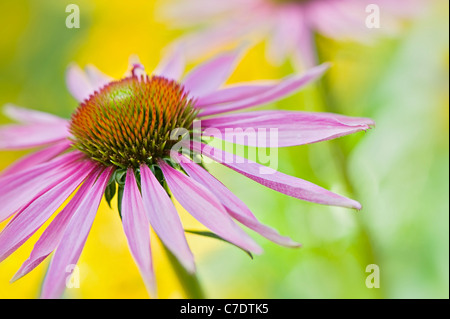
x,y
189,282
341,156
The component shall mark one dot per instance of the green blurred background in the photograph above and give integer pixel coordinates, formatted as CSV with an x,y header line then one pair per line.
x,y
398,171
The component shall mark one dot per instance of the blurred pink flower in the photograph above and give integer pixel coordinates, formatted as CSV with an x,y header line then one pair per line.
x,y
120,134
289,25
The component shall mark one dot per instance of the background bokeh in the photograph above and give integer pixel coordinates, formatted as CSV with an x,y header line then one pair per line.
x,y
398,171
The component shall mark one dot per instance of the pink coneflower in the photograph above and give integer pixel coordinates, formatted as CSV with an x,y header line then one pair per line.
x,y
288,25
119,139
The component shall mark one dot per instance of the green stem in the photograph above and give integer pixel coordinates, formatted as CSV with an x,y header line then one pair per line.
x,y
188,281
341,157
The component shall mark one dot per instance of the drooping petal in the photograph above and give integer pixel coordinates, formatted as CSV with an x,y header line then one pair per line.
x,y
51,237
284,88
17,190
24,115
32,135
206,208
172,65
289,185
284,128
74,238
209,76
164,218
34,215
349,120
97,78
285,32
305,55
234,93
78,83
137,230
37,158
8,183
235,207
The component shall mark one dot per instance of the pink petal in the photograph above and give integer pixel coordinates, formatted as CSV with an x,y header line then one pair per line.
x,y
97,78
213,39
283,128
211,75
285,32
349,120
32,135
34,215
284,88
275,180
205,207
7,182
37,158
172,65
74,238
52,235
24,115
305,55
137,230
341,23
78,83
222,32
17,190
235,207
233,93
164,218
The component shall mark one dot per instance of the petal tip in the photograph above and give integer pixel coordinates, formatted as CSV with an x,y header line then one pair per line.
x,y
257,250
357,206
16,277
190,267
294,244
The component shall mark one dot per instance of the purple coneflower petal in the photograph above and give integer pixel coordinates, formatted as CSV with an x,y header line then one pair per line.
x,y
35,214
275,180
51,237
10,182
206,208
235,207
172,65
17,190
195,45
31,135
285,32
349,120
292,128
163,217
282,89
78,83
137,230
234,93
74,238
209,76
97,78
37,158
304,55
24,115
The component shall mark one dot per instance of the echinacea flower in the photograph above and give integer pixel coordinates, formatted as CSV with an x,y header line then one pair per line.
x,y
119,140
288,25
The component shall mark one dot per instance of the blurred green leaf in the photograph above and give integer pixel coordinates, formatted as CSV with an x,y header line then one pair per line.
x,y
212,235
110,192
